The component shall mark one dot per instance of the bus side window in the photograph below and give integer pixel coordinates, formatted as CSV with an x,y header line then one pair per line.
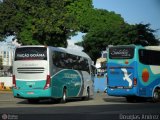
x,y
147,57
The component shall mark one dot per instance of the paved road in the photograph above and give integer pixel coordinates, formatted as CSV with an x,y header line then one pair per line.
x,y
101,107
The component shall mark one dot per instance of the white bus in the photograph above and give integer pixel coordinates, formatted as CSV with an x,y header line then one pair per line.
x,y
50,72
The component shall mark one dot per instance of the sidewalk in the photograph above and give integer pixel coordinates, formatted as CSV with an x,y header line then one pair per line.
x,y
5,91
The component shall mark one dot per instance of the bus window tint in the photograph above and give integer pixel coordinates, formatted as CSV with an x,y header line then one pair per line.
x,y
69,61
121,52
31,53
149,57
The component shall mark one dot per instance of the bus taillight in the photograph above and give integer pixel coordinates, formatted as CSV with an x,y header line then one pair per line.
x,y
134,81
48,82
14,80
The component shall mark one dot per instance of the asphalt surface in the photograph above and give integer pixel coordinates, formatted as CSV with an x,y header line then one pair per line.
x,y
100,107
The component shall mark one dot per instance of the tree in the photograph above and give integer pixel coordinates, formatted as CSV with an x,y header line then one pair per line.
x,y
97,40
145,33
100,31
82,11
48,22
52,22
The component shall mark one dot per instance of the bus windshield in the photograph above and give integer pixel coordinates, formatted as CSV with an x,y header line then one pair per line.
x,y
31,53
121,52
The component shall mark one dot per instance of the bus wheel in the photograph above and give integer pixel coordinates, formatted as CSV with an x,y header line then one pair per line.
x,y
64,97
156,96
87,97
33,101
88,94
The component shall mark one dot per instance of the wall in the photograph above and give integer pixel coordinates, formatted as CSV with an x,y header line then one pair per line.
x,y
5,83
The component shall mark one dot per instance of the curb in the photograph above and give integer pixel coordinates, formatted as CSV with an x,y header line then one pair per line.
x,y
4,88
4,92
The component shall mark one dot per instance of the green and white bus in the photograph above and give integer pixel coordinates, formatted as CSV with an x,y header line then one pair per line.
x,y
41,72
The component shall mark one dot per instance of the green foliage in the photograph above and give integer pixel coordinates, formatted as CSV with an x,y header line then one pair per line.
x,y
145,33
48,22
81,10
97,19
52,22
97,40
100,27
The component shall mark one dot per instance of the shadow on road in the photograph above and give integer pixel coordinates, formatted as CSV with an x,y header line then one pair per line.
x,y
115,100
91,112
53,101
123,100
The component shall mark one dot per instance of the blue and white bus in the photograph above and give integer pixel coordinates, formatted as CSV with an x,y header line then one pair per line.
x,y
41,72
134,72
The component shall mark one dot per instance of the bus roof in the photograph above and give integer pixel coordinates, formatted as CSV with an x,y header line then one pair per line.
x,y
71,51
153,47
31,46
131,45
139,46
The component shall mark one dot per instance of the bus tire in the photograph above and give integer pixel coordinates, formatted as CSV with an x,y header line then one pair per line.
x,y
156,96
88,94
33,101
87,97
64,96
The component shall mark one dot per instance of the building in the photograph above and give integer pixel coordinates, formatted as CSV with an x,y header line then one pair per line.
x,y
6,54
101,62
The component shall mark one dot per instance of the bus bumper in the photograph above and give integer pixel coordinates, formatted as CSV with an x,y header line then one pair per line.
x,y
38,93
122,92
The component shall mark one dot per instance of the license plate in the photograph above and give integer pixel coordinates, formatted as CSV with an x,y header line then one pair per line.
x,y
30,93
120,87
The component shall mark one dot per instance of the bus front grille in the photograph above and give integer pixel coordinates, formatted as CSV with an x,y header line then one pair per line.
x,y
30,70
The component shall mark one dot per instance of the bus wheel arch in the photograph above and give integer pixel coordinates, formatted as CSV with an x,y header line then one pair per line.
x,y
156,95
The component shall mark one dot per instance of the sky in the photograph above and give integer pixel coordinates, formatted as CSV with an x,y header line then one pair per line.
x,y
133,12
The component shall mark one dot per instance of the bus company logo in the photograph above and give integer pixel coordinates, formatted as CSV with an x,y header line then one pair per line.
x,y
68,75
28,65
123,52
4,116
30,55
